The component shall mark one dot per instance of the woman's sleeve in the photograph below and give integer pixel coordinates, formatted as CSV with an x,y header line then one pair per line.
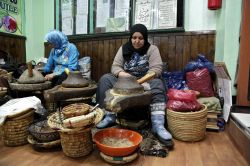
x,y
49,65
155,61
73,58
118,63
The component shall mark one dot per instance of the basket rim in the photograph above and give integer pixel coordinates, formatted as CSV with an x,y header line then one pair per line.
x,y
75,109
56,125
188,113
21,115
32,140
31,128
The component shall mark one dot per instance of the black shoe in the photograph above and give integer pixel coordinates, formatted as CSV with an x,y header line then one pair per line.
x,y
169,143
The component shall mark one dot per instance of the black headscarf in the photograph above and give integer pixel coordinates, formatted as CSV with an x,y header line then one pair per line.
x,y
128,48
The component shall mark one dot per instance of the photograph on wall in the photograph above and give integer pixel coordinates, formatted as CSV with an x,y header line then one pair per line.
x,y
11,16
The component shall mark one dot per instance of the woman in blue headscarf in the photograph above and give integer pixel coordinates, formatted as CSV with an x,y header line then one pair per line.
x,y
63,55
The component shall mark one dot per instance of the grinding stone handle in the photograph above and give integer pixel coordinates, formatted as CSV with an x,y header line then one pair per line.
x,y
147,77
30,70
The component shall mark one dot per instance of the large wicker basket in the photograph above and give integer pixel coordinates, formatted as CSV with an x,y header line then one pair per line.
x,y
15,130
42,132
76,142
188,126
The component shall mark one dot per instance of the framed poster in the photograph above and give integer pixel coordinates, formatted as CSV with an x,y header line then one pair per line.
x,y
67,17
102,12
122,12
11,16
112,16
143,12
167,14
81,16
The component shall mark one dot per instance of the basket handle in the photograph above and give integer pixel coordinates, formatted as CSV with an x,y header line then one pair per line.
x,y
94,107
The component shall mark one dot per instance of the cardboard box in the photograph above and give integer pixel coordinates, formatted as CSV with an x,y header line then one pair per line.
x,y
223,86
239,131
240,139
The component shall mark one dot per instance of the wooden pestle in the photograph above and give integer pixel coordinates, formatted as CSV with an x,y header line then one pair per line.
x,y
147,77
30,69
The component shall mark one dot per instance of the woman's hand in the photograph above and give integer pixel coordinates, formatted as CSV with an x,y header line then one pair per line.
x,y
123,74
146,86
49,77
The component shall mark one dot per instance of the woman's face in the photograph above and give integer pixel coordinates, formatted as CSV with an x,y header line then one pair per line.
x,y
137,40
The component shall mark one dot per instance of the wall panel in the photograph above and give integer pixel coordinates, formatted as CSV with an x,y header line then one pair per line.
x,y
176,49
14,46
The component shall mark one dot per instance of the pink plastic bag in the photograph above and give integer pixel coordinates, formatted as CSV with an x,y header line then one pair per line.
x,y
182,106
181,95
200,80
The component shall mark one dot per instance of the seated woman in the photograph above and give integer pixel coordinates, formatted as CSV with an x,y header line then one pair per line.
x,y
63,55
137,57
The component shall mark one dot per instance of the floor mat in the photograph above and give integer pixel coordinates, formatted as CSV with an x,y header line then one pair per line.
x,y
151,146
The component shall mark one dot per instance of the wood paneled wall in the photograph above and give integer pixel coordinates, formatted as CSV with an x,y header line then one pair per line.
x,y
15,47
176,49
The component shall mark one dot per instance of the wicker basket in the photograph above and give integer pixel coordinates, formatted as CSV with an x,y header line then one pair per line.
x,y
76,142
75,109
119,160
15,130
188,126
43,145
42,132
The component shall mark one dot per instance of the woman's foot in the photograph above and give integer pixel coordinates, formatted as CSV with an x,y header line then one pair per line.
x,y
159,130
109,120
164,136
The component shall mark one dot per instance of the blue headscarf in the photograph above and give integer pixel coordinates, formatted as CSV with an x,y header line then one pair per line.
x,y
58,39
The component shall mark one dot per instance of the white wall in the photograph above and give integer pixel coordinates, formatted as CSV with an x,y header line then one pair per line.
x,y
39,20
227,37
198,17
226,21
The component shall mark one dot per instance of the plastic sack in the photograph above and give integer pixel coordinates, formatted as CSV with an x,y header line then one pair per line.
x,y
200,63
181,95
182,106
85,67
200,80
175,80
